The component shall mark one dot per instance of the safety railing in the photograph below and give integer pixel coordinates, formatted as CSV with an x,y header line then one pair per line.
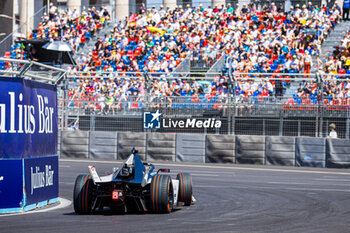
x,y
255,103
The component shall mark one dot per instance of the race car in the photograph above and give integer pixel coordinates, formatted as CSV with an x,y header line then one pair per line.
x,y
135,186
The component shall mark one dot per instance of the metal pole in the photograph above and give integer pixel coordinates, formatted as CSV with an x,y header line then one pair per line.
x,y
232,87
229,102
229,113
66,101
281,126
63,103
347,128
317,110
263,133
146,77
92,122
322,107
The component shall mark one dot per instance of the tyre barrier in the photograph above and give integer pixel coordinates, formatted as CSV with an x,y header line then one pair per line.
x,y
209,148
75,144
128,140
310,152
220,148
161,147
103,145
337,153
250,150
190,148
280,151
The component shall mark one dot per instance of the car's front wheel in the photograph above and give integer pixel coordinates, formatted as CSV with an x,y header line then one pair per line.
x,y
185,188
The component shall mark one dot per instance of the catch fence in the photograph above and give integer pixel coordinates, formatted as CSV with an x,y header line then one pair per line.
x,y
295,105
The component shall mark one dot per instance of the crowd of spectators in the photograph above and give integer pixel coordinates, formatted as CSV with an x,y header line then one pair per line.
x,y
335,93
69,26
158,40
277,41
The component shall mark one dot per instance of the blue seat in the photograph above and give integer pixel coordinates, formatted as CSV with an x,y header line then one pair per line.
x,y
2,65
132,43
273,67
126,60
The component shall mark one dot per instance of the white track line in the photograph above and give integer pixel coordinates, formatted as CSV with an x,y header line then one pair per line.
x,y
63,204
307,183
294,189
219,167
334,180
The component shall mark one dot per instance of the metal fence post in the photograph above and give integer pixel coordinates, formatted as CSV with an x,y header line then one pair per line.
x,y
264,125
280,133
65,103
347,127
318,109
92,123
229,113
321,106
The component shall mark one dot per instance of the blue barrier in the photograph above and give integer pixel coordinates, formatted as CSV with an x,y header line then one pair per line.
x,y
28,145
11,185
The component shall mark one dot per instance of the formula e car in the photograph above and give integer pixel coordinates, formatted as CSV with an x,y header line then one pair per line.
x,y
135,186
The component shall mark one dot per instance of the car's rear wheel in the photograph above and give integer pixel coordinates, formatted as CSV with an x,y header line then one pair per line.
x,y
185,188
83,194
162,195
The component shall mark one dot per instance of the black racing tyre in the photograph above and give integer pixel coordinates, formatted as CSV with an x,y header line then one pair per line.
x,y
83,194
185,188
162,195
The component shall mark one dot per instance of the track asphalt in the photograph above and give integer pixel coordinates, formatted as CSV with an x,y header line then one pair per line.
x,y
230,198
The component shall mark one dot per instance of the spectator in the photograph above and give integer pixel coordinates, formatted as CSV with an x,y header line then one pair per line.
x,y
332,132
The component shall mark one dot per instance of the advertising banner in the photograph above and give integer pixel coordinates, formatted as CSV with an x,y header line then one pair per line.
x,y
41,179
11,184
28,118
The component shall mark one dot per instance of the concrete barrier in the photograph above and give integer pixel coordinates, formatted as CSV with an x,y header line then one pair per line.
x,y
161,147
75,144
310,152
103,145
280,151
220,148
337,153
250,149
270,150
190,147
128,140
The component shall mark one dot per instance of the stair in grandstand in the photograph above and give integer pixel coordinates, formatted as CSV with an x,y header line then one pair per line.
x,y
88,47
333,39
198,71
213,67
291,90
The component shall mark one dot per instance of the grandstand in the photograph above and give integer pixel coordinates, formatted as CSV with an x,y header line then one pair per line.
x,y
235,61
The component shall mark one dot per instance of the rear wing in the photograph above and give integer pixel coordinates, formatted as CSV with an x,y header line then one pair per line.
x,y
96,178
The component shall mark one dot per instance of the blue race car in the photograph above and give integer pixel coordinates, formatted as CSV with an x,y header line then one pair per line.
x,y
135,186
